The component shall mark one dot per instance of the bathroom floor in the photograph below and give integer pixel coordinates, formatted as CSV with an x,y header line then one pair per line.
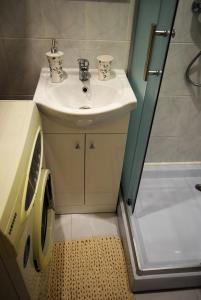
x,y
78,226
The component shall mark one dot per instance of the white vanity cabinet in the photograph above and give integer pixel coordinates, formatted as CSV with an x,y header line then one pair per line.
x,y
86,165
65,158
103,165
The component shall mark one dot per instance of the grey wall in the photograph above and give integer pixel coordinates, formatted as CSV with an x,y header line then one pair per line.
x,y
176,132
83,29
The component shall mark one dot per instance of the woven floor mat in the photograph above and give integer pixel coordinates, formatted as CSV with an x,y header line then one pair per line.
x,y
91,269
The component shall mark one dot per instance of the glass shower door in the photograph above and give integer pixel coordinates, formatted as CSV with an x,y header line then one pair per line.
x,y
163,206
151,41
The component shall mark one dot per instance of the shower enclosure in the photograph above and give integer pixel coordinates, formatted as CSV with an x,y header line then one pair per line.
x,y
160,208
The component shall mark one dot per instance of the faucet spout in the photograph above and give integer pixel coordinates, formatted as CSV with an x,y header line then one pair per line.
x,y
83,69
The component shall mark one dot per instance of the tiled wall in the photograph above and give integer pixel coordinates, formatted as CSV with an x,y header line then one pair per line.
x,y
83,29
176,132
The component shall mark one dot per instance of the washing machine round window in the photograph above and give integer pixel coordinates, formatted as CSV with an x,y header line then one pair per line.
x,y
44,217
44,220
33,174
26,251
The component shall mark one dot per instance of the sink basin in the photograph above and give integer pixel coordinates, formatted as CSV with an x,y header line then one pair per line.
x,y
84,104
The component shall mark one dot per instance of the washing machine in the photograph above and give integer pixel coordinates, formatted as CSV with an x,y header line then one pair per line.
x,y
35,247
44,220
26,201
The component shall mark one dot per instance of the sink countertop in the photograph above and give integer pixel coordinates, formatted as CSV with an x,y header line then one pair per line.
x,y
67,100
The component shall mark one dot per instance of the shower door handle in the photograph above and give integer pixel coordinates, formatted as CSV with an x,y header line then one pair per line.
x,y
149,51
153,33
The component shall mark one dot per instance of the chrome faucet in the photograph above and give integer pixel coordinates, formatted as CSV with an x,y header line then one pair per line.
x,y
83,69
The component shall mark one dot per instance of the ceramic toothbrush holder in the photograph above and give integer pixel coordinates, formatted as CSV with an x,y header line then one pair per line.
x,y
55,64
104,67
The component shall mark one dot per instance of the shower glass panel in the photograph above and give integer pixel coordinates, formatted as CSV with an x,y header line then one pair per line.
x,y
147,12
161,187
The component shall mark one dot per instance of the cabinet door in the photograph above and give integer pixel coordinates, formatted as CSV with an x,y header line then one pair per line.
x,y
65,158
104,159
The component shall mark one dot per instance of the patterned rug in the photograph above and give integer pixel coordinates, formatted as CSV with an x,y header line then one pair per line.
x,y
89,269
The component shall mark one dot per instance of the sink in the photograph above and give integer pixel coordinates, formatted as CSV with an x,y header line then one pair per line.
x,y
83,104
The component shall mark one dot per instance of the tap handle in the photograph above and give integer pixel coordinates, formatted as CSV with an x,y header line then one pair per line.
x,y
83,63
54,46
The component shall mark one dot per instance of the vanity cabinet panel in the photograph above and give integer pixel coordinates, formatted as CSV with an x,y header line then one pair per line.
x,y
103,167
55,125
65,158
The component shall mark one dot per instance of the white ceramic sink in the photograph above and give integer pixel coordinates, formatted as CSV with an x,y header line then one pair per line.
x,y
68,100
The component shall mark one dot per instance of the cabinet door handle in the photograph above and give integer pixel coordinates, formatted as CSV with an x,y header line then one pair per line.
x,y
77,146
91,146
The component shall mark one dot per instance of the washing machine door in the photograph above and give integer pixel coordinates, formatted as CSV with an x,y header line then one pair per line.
x,y
33,174
44,218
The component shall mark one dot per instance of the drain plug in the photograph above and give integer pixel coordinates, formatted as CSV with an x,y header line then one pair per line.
x,y
198,187
85,89
85,107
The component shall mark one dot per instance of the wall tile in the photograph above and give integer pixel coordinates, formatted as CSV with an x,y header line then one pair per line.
x,y
107,20
174,149
64,19
194,124
47,18
72,51
4,69
189,148
24,58
162,149
119,50
174,82
130,19
171,117
15,97
21,18
27,27
176,129
77,20
91,49
187,25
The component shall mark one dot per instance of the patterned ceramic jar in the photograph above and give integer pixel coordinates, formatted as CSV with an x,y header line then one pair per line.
x,y
55,64
104,67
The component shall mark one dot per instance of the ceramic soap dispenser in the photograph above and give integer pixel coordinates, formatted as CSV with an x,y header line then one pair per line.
x,y
55,63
